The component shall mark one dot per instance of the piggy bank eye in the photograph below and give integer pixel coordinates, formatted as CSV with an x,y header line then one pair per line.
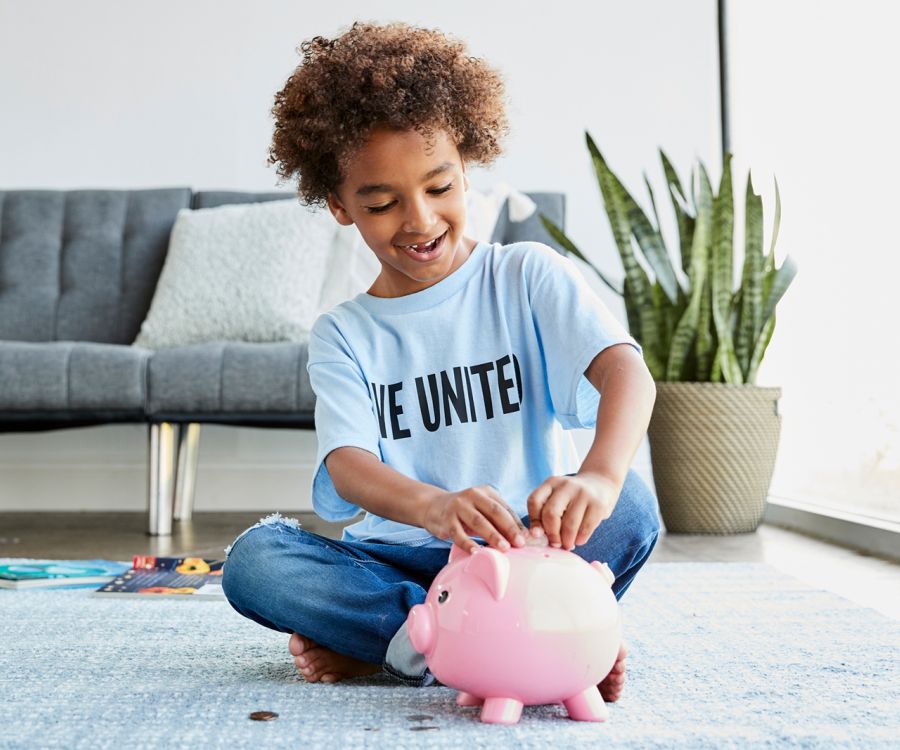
x,y
443,596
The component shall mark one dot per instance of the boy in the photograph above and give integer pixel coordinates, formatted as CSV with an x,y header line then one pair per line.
x,y
441,393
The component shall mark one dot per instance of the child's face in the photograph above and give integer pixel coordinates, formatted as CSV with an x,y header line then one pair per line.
x,y
388,193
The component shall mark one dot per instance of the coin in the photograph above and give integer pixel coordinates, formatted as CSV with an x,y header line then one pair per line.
x,y
263,715
536,541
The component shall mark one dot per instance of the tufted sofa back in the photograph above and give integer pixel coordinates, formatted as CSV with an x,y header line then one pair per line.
x,y
82,265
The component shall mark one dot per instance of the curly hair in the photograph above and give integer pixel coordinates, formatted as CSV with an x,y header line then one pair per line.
x,y
394,76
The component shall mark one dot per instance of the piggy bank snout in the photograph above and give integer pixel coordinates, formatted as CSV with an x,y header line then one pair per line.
x,y
421,626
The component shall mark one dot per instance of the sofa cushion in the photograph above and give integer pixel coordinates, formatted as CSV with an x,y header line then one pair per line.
x,y
70,375
81,265
250,272
213,198
230,377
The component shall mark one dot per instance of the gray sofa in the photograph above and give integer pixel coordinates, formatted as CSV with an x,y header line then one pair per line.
x,y
78,270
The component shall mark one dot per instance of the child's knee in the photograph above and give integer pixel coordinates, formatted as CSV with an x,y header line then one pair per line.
x,y
241,558
254,550
271,522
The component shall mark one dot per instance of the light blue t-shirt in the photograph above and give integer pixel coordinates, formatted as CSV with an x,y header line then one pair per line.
x,y
468,382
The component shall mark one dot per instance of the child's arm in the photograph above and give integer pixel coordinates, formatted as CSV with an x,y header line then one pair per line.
x,y
362,479
627,394
569,509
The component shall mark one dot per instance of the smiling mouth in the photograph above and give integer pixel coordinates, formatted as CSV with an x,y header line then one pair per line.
x,y
423,247
425,250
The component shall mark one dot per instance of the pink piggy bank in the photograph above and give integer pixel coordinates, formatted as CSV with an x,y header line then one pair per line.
x,y
529,626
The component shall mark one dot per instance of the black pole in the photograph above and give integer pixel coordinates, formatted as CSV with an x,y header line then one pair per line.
x,y
723,78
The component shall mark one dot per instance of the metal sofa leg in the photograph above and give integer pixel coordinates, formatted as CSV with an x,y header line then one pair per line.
x,y
186,471
161,485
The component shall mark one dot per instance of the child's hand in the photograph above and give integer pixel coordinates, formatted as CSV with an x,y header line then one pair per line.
x,y
569,509
476,511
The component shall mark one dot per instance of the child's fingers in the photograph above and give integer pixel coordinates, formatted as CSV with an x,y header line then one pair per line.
x,y
460,537
571,522
482,526
552,513
536,502
592,518
504,518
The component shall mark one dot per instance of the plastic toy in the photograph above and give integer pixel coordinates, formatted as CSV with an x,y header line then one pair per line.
x,y
530,626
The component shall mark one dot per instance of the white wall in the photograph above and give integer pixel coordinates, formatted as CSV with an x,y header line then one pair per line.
x,y
814,102
125,95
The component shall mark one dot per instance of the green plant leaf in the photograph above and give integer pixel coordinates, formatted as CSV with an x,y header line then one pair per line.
x,y
709,331
651,244
682,341
722,273
778,283
770,258
662,305
715,375
750,319
615,202
686,329
563,240
775,284
658,229
652,202
682,216
706,346
620,225
759,350
669,316
693,192
671,175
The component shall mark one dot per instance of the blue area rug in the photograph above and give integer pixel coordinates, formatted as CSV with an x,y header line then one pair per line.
x,y
721,655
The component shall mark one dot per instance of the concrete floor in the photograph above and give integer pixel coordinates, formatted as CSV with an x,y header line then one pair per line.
x,y
870,581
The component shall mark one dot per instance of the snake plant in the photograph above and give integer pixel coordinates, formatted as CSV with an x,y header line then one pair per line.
x,y
698,328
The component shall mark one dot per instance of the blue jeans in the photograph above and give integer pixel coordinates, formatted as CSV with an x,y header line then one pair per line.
x,y
354,597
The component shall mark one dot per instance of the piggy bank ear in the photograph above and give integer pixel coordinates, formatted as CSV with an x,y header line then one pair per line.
x,y
605,571
492,568
456,552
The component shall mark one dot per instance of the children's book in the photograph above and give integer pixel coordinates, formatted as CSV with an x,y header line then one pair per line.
x,y
26,573
193,577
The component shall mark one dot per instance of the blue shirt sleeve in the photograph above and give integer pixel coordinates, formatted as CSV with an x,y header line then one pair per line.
x,y
574,326
344,414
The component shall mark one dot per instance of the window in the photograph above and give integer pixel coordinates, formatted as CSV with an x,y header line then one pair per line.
x,y
811,94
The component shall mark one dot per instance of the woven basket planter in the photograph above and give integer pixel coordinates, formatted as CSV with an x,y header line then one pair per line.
x,y
713,447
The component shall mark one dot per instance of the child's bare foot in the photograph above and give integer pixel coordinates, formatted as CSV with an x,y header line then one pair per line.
x,y
611,685
316,662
